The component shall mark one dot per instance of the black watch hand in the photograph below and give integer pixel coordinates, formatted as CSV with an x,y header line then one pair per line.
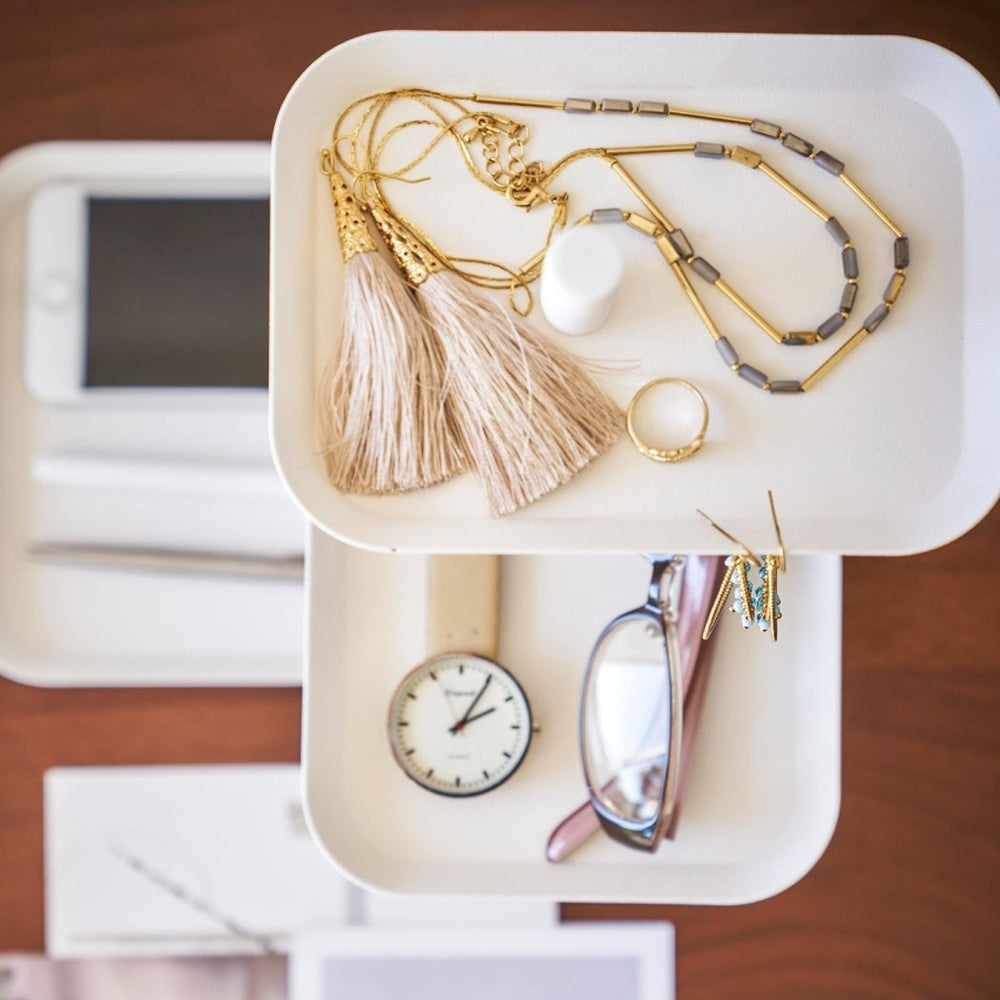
x,y
472,718
475,701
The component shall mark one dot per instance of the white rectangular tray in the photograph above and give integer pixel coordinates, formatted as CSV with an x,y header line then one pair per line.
x,y
763,793
136,474
894,451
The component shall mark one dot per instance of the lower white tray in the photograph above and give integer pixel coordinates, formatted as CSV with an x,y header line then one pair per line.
x,y
764,790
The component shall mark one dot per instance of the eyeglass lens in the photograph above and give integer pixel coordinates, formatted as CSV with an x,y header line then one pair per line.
x,y
626,720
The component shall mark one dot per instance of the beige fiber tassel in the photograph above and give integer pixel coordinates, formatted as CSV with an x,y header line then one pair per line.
x,y
528,415
381,397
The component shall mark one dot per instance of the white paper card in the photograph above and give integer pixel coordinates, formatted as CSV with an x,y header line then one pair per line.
x,y
210,860
567,962
182,860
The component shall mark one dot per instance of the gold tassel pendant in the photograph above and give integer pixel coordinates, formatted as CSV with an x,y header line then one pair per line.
x,y
381,397
528,415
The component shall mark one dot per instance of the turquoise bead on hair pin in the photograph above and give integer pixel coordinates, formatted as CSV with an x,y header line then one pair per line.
x,y
756,603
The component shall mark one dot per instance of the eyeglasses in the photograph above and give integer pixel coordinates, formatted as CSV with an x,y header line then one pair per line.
x,y
632,705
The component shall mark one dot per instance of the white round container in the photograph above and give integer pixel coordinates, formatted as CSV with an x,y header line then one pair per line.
x,y
581,273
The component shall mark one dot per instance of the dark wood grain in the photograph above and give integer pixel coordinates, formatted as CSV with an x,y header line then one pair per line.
x,y
904,902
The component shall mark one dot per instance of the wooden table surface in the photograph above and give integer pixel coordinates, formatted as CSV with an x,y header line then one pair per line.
x,y
904,902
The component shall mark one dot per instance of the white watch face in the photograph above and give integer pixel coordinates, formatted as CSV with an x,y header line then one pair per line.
x,y
459,724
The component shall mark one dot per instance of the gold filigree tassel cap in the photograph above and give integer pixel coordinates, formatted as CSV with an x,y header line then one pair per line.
x,y
352,229
412,256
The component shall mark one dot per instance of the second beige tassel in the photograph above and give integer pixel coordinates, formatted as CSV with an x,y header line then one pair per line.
x,y
527,414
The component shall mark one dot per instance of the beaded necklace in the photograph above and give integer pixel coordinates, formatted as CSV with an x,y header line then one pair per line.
x,y
500,144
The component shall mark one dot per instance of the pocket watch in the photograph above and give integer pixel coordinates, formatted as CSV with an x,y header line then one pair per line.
x,y
460,724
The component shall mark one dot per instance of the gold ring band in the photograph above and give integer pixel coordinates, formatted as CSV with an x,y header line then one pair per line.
x,y
667,455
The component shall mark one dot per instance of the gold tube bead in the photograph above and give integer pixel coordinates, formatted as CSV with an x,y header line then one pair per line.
x,y
640,194
793,190
693,297
748,310
710,116
837,356
666,248
515,102
867,199
675,147
644,225
738,154
894,287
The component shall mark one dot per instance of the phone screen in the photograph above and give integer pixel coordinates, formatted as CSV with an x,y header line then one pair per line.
x,y
177,292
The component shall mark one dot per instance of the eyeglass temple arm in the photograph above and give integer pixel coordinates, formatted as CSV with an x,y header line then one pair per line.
x,y
658,595
578,827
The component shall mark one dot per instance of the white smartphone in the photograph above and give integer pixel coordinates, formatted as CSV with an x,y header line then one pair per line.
x,y
149,287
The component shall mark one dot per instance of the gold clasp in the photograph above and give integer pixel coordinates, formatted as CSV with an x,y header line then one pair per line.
x,y
487,124
526,188
526,196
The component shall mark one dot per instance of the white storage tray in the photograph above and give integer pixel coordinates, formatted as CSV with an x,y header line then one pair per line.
x,y
894,451
199,478
763,793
